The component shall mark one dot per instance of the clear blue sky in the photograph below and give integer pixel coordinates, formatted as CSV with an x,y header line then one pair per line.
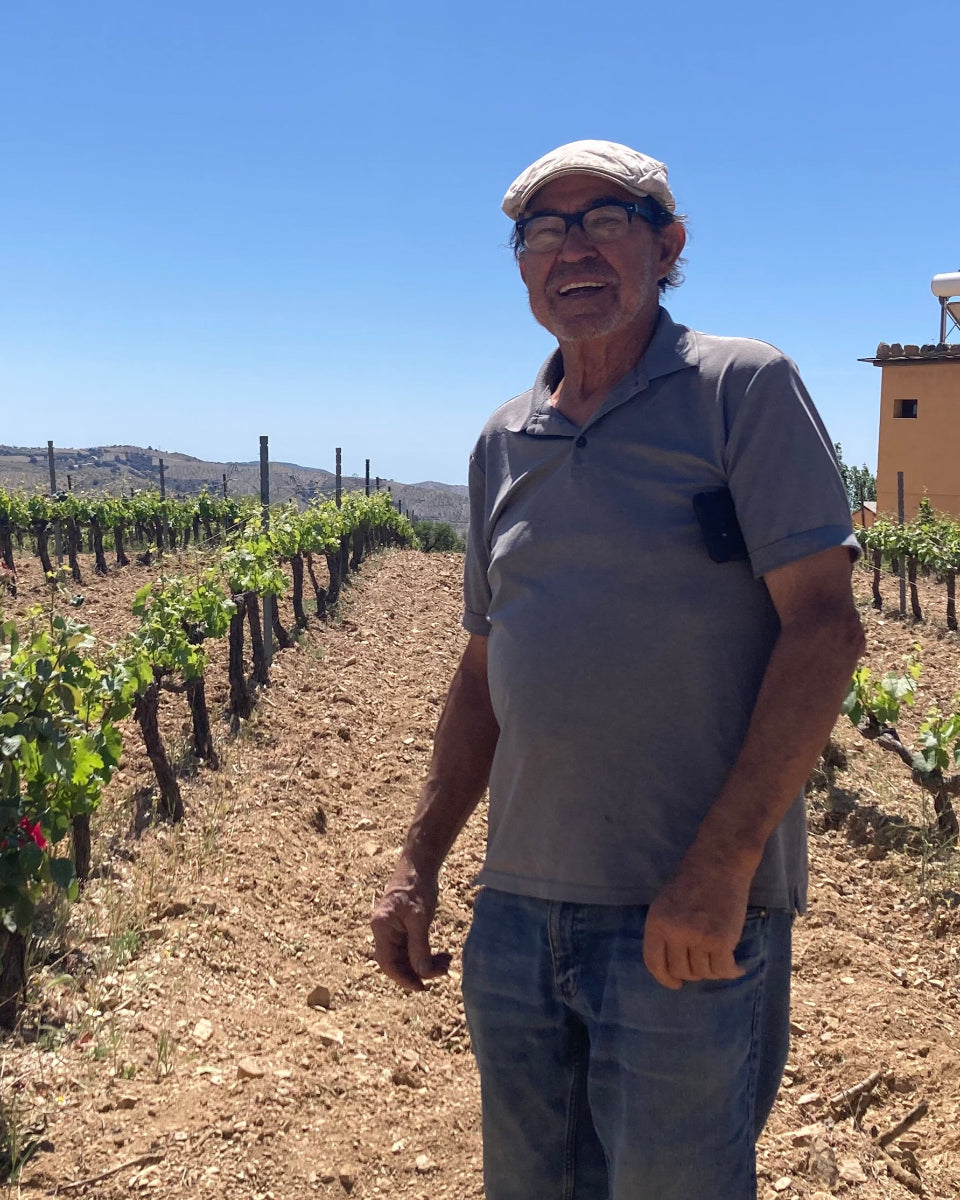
x,y
227,219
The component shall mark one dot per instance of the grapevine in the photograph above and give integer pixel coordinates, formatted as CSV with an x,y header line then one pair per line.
x,y
874,705
59,746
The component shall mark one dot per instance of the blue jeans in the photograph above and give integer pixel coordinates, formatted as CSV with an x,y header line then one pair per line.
x,y
600,1084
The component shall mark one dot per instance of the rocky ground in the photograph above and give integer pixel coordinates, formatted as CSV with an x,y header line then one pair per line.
x,y
207,1021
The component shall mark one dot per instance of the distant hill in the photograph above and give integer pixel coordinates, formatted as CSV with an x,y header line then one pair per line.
x,y
118,469
459,488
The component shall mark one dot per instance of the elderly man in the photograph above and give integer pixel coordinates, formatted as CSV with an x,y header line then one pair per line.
x,y
657,591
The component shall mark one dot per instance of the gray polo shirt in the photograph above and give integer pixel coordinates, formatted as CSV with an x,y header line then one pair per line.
x,y
624,662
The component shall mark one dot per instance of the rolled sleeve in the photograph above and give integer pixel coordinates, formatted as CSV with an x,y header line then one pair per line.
x,y
783,473
802,545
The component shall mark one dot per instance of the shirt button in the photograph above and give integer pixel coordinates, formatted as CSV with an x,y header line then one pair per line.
x,y
581,441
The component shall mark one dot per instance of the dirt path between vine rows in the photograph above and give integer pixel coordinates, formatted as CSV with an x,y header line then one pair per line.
x,y
169,1047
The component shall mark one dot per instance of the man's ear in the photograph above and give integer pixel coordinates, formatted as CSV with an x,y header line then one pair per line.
x,y
522,265
673,238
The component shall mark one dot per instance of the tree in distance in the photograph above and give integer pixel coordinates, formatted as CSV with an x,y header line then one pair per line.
x,y
438,536
860,482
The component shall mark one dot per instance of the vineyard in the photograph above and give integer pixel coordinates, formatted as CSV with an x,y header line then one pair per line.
x,y
928,546
61,701
202,1017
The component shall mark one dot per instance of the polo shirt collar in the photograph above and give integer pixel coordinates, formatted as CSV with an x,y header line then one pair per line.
x,y
672,348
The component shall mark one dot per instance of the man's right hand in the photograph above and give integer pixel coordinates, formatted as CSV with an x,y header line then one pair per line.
x,y
401,930
463,750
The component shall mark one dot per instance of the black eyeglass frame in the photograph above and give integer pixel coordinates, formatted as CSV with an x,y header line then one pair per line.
x,y
648,210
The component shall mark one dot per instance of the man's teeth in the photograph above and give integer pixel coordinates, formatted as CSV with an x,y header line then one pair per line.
x,y
586,283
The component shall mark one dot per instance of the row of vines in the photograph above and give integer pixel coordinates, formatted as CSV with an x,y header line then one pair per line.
x,y
929,545
63,697
145,521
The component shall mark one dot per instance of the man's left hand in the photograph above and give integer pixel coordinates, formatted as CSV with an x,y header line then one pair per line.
x,y
694,925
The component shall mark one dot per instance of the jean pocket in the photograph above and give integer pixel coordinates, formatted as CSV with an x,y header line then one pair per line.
x,y
753,940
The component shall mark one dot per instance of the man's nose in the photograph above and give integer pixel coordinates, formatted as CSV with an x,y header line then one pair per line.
x,y
576,245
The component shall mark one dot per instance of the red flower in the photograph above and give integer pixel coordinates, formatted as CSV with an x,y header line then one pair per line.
x,y
33,832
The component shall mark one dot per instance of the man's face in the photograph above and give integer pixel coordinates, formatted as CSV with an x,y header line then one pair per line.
x,y
581,291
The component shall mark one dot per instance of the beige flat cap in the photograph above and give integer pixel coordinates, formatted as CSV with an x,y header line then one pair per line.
x,y
638,173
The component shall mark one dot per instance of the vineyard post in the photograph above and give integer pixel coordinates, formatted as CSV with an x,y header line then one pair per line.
x,y
366,486
69,483
903,558
268,601
224,485
339,478
53,491
163,496
378,483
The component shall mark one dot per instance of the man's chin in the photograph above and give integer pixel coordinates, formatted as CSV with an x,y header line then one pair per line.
x,y
582,327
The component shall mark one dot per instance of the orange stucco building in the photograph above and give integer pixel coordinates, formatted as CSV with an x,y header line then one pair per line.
x,y
919,426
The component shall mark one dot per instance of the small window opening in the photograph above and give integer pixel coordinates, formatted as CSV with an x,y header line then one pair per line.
x,y
905,408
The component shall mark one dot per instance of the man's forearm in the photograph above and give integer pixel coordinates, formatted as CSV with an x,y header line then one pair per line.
x,y
464,745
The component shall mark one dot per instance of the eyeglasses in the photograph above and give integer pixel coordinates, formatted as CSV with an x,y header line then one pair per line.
x,y
604,221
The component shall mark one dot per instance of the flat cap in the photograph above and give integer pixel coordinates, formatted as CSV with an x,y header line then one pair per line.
x,y
638,173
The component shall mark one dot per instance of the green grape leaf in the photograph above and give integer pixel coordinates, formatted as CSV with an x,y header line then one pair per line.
x,y
62,872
